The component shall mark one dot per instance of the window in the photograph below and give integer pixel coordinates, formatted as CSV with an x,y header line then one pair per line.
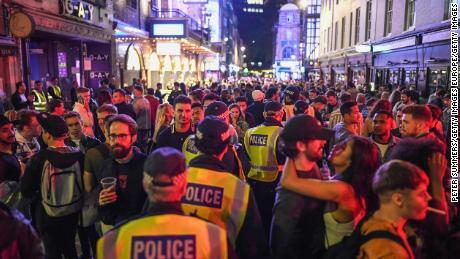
x,y
133,3
336,35
368,19
388,17
329,39
447,9
351,28
358,14
288,52
342,34
410,14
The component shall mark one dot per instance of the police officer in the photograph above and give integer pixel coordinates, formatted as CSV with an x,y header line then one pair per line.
x,y
165,232
220,197
40,99
235,159
54,90
261,145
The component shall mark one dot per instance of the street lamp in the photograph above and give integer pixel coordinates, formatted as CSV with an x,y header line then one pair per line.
x,y
243,48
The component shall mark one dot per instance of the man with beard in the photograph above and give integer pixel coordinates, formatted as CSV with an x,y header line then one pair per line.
x,y
176,134
10,169
126,198
381,135
77,138
297,229
27,132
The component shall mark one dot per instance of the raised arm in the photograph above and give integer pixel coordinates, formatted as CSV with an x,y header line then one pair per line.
x,y
328,190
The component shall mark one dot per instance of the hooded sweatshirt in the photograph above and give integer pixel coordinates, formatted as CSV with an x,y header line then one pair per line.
x,y
61,157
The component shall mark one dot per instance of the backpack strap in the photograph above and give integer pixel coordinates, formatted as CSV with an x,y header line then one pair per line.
x,y
383,234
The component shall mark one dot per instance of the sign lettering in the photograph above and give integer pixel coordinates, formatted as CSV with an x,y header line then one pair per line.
x,y
168,246
258,140
78,9
203,195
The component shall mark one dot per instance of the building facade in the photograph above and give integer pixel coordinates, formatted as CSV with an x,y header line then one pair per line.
x,y
287,44
84,41
385,42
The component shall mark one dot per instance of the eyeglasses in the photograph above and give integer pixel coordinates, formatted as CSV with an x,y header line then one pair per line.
x,y
122,137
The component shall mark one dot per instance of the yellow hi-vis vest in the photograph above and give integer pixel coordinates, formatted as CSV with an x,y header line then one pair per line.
x,y
190,152
57,91
219,197
260,143
40,101
164,236
189,149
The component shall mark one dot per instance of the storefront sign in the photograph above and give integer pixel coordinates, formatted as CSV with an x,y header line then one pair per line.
x,y
168,48
99,74
78,9
62,64
162,28
21,25
8,51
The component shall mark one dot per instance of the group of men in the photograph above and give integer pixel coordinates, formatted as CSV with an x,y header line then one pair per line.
x,y
202,192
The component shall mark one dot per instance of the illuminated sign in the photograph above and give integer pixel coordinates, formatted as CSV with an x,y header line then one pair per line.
x,y
167,29
78,9
168,48
214,20
62,64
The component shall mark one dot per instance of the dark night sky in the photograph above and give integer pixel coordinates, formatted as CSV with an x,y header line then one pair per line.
x,y
259,28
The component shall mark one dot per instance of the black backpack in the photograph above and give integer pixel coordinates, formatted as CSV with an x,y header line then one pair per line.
x,y
349,247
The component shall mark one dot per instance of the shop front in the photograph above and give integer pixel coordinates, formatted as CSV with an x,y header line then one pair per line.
x,y
71,43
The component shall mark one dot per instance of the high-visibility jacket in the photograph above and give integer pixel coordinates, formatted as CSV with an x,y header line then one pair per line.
x,y
219,197
40,100
260,143
164,236
189,149
57,91
190,152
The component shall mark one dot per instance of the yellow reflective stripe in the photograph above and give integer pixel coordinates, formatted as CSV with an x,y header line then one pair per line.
x,y
217,242
107,245
240,165
239,206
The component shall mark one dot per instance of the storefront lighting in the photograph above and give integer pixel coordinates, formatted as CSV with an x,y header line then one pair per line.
x,y
363,48
405,61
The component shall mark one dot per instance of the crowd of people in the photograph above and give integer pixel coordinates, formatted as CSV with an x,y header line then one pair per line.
x,y
250,169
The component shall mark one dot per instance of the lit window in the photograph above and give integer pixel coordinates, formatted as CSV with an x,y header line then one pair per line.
x,y
410,14
388,17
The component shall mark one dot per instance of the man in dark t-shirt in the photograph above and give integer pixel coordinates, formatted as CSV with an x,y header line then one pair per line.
x,y
297,229
10,169
175,135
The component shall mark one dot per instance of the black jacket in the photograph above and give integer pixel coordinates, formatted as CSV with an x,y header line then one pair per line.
x,y
297,229
124,108
130,192
18,238
257,110
18,104
251,241
86,143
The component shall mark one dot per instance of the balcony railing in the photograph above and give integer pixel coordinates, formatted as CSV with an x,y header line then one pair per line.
x,y
192,25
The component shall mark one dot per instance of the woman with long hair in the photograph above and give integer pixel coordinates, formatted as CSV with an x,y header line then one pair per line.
x,y
349,193
237,121
164,117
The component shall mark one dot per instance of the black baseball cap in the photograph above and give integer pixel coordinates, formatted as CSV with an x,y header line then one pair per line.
x,y
305,127
212,129
273,107
292,91
54,125
218,109
164,161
